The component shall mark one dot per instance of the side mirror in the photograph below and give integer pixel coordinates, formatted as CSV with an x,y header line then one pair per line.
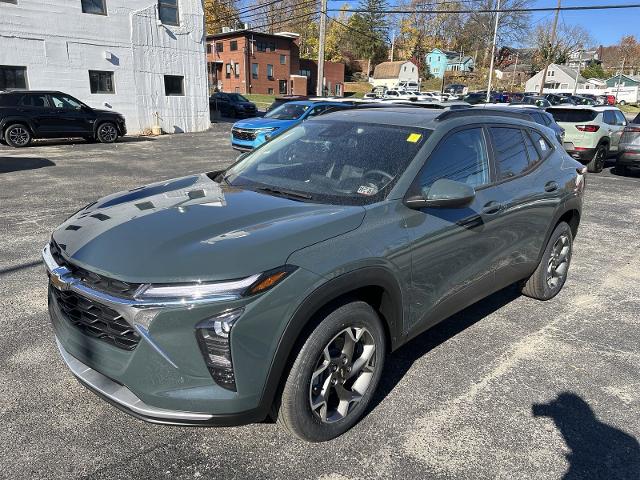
x,y
443,193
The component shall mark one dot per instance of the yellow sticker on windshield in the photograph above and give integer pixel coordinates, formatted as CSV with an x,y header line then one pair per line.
x,y
414,137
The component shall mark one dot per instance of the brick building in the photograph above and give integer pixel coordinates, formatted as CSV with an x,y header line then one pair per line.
x,y
244,61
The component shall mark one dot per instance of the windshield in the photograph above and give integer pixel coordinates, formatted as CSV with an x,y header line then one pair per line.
x,y
572,115
336,162
236,97
288,111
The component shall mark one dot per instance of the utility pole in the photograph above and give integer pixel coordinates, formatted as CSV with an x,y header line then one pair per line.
x,y
620,78
393,43
575,85
493,51
552,46
515,71
323,32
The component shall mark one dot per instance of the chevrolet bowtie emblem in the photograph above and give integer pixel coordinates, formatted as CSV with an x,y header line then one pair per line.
x,y
58,283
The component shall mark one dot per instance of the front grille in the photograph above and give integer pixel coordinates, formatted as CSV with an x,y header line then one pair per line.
x,y
243,134
93,280
95,319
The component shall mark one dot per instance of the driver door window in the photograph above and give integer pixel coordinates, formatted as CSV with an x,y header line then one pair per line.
x,y
461,157
64,102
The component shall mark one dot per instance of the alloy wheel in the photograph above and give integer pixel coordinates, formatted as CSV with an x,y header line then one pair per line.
x,y
342,374
108,133
19,136
559,261
602,156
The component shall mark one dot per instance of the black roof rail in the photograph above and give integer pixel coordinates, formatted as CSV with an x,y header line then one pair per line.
x,y
481,112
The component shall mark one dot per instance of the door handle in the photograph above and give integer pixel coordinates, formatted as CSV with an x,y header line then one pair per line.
x,y
550,186
492,208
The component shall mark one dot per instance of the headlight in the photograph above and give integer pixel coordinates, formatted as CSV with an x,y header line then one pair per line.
x,y
266,130
243,287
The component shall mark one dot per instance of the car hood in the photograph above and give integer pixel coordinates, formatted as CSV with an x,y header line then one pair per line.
x,y
245,104
103,111
192,228
262,122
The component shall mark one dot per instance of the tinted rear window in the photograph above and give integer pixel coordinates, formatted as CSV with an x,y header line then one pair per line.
x,y
572,115
510,151
637,119
8,100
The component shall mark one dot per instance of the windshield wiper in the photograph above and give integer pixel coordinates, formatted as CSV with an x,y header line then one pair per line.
x,y
284,193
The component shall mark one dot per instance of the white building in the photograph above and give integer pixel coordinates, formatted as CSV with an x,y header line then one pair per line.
x,y
142,58
390,74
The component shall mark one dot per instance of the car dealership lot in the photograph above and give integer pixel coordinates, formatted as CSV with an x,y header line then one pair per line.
x,y
457,402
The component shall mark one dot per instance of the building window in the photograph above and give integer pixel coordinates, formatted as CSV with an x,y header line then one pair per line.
x,y
208,48
219,47
97,7
236,69
305,73
270,72
283,59
270,91
263,46
13,78
168,12
233,46
551,73
254,70
282,84
101,82
173,85
228,70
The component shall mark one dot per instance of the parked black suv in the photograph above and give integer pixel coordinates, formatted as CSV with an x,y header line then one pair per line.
x,y
25,115
232,105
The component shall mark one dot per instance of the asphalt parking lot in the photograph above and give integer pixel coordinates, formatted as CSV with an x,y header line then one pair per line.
x,y
509,388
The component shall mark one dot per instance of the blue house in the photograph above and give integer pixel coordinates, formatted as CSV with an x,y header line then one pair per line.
x,y
440,61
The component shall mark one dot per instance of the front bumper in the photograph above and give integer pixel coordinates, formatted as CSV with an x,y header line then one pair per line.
x,y
164,379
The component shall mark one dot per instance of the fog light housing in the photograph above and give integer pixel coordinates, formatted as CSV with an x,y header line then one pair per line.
x,y
213,337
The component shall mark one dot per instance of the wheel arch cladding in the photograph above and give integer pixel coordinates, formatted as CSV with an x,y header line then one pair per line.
x,y
10,122
572,217
373,285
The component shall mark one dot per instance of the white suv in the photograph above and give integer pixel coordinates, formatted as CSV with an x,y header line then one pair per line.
x,y
591,133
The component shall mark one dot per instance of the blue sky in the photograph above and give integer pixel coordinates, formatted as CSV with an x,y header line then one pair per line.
x,y
605,26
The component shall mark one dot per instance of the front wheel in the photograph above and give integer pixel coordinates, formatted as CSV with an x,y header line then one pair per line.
x,y
334,375
596,165
107,133
549,278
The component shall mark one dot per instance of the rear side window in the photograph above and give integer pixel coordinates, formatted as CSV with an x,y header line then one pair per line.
x,y
573,115
35,100
532,153
8,100
510,151
609,117
461,157
541,143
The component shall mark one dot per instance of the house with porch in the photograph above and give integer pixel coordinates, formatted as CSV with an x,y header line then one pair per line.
x,y
441,61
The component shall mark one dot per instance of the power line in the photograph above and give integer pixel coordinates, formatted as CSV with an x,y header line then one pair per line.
x,y
355,30
283,21
492,10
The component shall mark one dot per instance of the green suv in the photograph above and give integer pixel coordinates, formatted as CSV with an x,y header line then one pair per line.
x,y
278,286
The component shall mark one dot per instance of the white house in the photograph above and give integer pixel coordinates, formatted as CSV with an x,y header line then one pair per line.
x,y
389,74
559,77
142,58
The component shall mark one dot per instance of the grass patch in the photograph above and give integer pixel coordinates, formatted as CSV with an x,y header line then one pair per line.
x,y
629,108
261,100
357,87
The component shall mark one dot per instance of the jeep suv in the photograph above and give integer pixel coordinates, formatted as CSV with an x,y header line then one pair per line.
x,y
25,115
591,133
278,286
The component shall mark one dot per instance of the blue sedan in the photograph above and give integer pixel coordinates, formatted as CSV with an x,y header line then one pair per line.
x,y
253,132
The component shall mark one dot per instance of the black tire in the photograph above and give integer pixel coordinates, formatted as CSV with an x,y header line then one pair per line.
x,y
17,135
622,170
546,281
596,165
294,409
107,132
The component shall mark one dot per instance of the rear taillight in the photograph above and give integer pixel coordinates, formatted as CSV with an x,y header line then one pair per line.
x,y
631,130
588,128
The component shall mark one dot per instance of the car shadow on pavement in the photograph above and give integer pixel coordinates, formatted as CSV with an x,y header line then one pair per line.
x,y
598,450
16,164
400,361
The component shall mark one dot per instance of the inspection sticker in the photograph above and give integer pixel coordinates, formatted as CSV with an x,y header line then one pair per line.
x,y
414,137
366,190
